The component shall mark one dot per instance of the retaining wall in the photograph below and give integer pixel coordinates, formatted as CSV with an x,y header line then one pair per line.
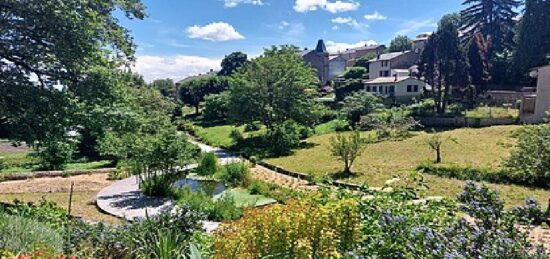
x,y
464,121
44,174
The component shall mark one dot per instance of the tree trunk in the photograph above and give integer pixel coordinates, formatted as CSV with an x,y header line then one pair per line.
x,y
197,109
438,155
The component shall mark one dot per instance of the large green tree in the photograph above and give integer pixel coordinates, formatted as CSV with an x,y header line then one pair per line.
x,y
166,87
443,64
232,62
534,38
194,91
276,87
400,43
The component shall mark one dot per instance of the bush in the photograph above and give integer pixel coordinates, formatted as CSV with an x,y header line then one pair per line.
x,y
530,161
235,174
236,136
3,163
208,164
392,123
258,188
45,212
359,104
532,213
282,138
224,208
336,125
355,73
252,127
216,107
157,184
20,235
54,155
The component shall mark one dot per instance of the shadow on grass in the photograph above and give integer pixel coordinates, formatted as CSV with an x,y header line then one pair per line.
x,y
259,147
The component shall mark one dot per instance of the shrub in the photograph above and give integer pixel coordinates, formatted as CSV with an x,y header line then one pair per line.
x,y
355,73
237,136
224,208
282,138
530,161
359,104
252,127
216,107
258,187
347,149
45,212
55,154
392,123
20,235
304,228
235,174
336,125
531,213
3,163
157,184
208,164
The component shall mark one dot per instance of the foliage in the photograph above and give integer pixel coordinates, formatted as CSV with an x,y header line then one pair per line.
x,y
208,164
55,154
359,104
350,86
20,235
314,227
400,43
531,213
224,208
482,203
235,174
494,19
166,87
258,187
533,39
232,62
364,60
355,73
442,63
394,123
3,164
282,138
478,59
276,87
194,91
216,107
220,209
336,125
435,142
44,212
530,161
347,149
157,184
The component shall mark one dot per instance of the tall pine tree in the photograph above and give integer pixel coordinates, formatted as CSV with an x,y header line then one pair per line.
x,y
443,63
534,38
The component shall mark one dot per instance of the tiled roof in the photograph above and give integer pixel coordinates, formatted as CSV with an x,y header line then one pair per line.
x,y
390,56
387,80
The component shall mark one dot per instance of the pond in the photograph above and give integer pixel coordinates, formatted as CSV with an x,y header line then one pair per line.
x,y
209,187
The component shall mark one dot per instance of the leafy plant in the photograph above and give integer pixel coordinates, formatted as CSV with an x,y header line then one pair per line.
x,y
54,154
208,164
359,104
20,235
435,142
347,149
3,163
531,213
45,212
235,174
282,138
224,208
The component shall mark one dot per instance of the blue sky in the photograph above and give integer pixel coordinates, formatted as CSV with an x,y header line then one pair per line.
x,y
186,37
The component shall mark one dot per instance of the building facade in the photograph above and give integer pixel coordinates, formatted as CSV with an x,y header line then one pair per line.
x,y
396,89
383,65
319,60
336,66
534,105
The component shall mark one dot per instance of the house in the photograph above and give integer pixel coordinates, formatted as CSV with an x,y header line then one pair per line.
x,y
396,88
419,43
319,60
383,65
534,105
350,55
336,66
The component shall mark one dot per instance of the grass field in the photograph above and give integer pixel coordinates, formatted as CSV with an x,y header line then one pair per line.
x,y
484,147
492,112
220,136
82,206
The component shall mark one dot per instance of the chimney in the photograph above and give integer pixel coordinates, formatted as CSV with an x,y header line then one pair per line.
x,y
396,77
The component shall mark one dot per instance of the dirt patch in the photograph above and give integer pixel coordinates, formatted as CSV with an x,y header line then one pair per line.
x,y
266,175
7,147
82,183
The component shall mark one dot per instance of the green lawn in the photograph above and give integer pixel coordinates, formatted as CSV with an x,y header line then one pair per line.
x,y
243,197
220,136
484,147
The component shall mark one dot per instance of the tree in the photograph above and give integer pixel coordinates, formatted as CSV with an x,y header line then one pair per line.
x,y
435,141
194,91
359,104
166,87
355,73
443,64
364,61
347,149
400,43
232,62
494,19
533,47
276,87
480,66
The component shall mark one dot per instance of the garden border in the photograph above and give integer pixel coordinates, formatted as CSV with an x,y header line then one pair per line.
x,y
459,121
4,177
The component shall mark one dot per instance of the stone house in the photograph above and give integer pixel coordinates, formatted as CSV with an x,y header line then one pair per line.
x,y
350,55
534,105
383,65
336,66
318,59
396,88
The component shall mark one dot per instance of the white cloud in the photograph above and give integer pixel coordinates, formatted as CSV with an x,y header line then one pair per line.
x,y
375,16
412,26
283,25
334,47
303,6
234,3
216,31
174,67
348,21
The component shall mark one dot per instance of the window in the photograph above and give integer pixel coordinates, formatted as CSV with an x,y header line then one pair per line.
x,y
368,88
385,63
392,89
409,88
416,88
384,73
380,89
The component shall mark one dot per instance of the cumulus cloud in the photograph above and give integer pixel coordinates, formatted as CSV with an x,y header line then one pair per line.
x,y
303,6
335,47
216,31
174,67
234,3
348,21
375,16
411,26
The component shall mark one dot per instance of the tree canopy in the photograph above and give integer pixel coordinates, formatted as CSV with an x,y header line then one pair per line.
x,y
276,87
400,43
194,91
232,62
